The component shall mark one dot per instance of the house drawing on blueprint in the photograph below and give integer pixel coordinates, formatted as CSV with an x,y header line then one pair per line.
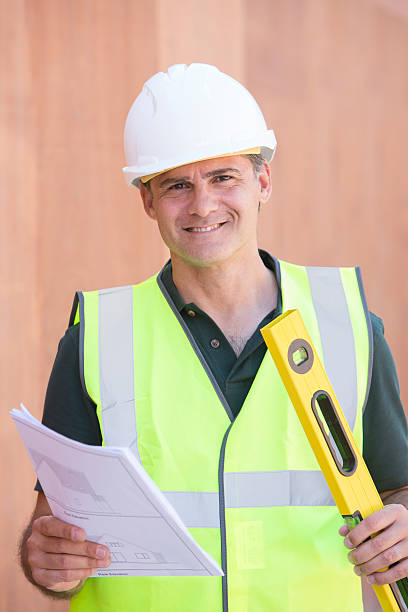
x,y
75,488
123,551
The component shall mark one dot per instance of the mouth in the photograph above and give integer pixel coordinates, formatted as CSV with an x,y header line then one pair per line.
x,y
204,228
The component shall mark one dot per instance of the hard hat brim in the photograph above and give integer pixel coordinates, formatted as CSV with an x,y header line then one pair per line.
x,y
133,174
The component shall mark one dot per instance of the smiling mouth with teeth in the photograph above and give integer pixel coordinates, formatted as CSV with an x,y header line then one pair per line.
x,y
208,228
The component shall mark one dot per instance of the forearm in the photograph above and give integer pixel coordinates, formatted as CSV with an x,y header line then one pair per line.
x,y
396,497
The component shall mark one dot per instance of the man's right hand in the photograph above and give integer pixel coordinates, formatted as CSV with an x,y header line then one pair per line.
x,y
59,556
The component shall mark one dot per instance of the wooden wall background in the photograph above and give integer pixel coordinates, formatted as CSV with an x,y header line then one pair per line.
x,y
332,79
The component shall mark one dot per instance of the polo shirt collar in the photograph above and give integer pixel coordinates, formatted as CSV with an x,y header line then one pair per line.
x,y
166,277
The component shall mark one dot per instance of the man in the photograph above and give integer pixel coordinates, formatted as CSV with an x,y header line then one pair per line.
x,y
176,369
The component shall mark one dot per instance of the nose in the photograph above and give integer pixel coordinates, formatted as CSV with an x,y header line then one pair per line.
x,y
203,201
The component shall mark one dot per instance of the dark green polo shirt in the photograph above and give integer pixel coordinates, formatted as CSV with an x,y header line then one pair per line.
x,y
69,411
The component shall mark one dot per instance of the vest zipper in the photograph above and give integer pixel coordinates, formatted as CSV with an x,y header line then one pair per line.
x,y
223,534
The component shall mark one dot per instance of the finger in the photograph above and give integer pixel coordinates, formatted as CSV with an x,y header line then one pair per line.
x,y
388,557
374,523
344,530
378,545
51,526
398,571
63,546
66,562
390,546
49,578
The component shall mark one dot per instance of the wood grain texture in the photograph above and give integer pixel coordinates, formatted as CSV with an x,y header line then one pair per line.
x,y
331,78
333,84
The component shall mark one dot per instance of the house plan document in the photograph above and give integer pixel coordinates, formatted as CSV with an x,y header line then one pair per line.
x,y
107,492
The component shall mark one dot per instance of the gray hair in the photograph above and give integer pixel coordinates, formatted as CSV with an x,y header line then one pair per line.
x,y
257,160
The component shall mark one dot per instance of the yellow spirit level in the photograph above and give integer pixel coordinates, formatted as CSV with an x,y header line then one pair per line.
x,y
328,432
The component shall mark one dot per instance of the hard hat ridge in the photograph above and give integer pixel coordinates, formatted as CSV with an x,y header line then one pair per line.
x,y
190,113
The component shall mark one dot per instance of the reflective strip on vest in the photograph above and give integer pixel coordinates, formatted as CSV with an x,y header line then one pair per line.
x,y
339,356
196,508
271,489
116,368
252,490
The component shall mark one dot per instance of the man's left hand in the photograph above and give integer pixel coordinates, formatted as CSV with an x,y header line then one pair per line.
x,y
387,530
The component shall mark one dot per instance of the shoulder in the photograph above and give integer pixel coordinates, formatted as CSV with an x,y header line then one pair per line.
x,y
383,361
384,374
384,422
67,358
377,325
72,333
70,340
121,293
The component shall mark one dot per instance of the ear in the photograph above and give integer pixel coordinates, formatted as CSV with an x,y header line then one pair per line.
x,y
147,199
265,183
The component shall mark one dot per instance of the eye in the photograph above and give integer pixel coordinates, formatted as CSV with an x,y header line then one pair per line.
x,y
178,186
222,178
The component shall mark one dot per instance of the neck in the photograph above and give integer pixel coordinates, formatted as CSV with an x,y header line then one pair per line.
x,y
237,294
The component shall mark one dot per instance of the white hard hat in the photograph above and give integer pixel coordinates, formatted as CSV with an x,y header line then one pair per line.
x,y
188,114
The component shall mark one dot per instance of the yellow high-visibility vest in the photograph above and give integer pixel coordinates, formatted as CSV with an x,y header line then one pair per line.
x,y
250,489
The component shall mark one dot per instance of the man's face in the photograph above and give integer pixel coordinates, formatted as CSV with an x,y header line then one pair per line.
x,y
208,211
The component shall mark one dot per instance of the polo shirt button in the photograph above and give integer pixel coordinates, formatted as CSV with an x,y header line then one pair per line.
x,y
215,343
191,313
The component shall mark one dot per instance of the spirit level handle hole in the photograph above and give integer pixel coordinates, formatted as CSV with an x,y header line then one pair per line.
x,y
334,433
